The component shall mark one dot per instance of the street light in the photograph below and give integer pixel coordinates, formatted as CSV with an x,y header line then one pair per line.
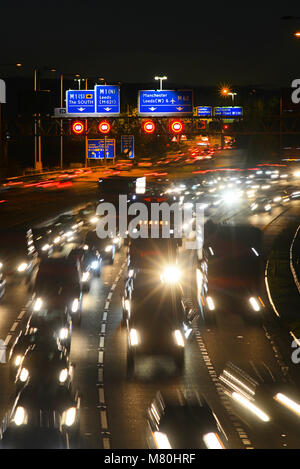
x,y
160,80
225,91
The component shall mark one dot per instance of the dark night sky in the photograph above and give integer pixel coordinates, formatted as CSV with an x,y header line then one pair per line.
x,y
194,43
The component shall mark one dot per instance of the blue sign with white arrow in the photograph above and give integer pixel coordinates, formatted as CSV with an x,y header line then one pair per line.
x,y
165,102
107,99
80,102
96,148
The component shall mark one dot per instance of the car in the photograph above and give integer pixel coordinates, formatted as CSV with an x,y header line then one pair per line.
x,y
52,323
42,417
43,241
58,285
44,362
105,247
156,320
183,425
18,254
90,262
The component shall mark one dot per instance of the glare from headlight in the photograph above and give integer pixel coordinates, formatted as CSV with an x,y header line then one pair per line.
x,y
94,220
63,375
85,276
20,416
22,267
18,360
116,240
171,274
45,247
57,239
210,303
179,338
85,247
75,305
108,248
70,416
250,406
1,265
287,402
95,265
63,333
161,440
38,304
24,375
268,207
254,303
127,306
134,340
69,234
212,441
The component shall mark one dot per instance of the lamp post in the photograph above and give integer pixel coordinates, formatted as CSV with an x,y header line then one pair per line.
x,y
160,80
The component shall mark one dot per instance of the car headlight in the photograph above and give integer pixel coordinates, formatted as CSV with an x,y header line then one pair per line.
x,y
85,276
24,375
38,304
64,333
69,416
85,247
94,220
108,248
171,274
22,267
134,338
254,303
179,338
161,440
212,441
1,265
18,360
95,265
20,417
57,239
116,240
268,207
210,303
45,247
63,375
75,305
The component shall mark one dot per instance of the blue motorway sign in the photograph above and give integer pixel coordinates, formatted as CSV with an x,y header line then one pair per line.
x,y
204,111
96,148
228,111
165,102
80,102
107,99
127,145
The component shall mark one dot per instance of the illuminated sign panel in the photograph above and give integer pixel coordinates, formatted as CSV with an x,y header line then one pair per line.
x,y
204,111
228,111
165,102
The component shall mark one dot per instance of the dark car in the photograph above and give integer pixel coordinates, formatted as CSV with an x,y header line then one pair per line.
x,y
43,241
58,286
45,361
156,317
42,417
90,262
105,247
18,254
183,425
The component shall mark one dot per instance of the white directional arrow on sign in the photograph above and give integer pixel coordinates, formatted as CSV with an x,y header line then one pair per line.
x,y
152,108
179,108
107,109
81,109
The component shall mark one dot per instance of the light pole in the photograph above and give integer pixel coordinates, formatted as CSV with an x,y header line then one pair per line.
x,y
160,81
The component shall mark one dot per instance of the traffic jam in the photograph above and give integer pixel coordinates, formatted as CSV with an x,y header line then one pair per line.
x,y
60,261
